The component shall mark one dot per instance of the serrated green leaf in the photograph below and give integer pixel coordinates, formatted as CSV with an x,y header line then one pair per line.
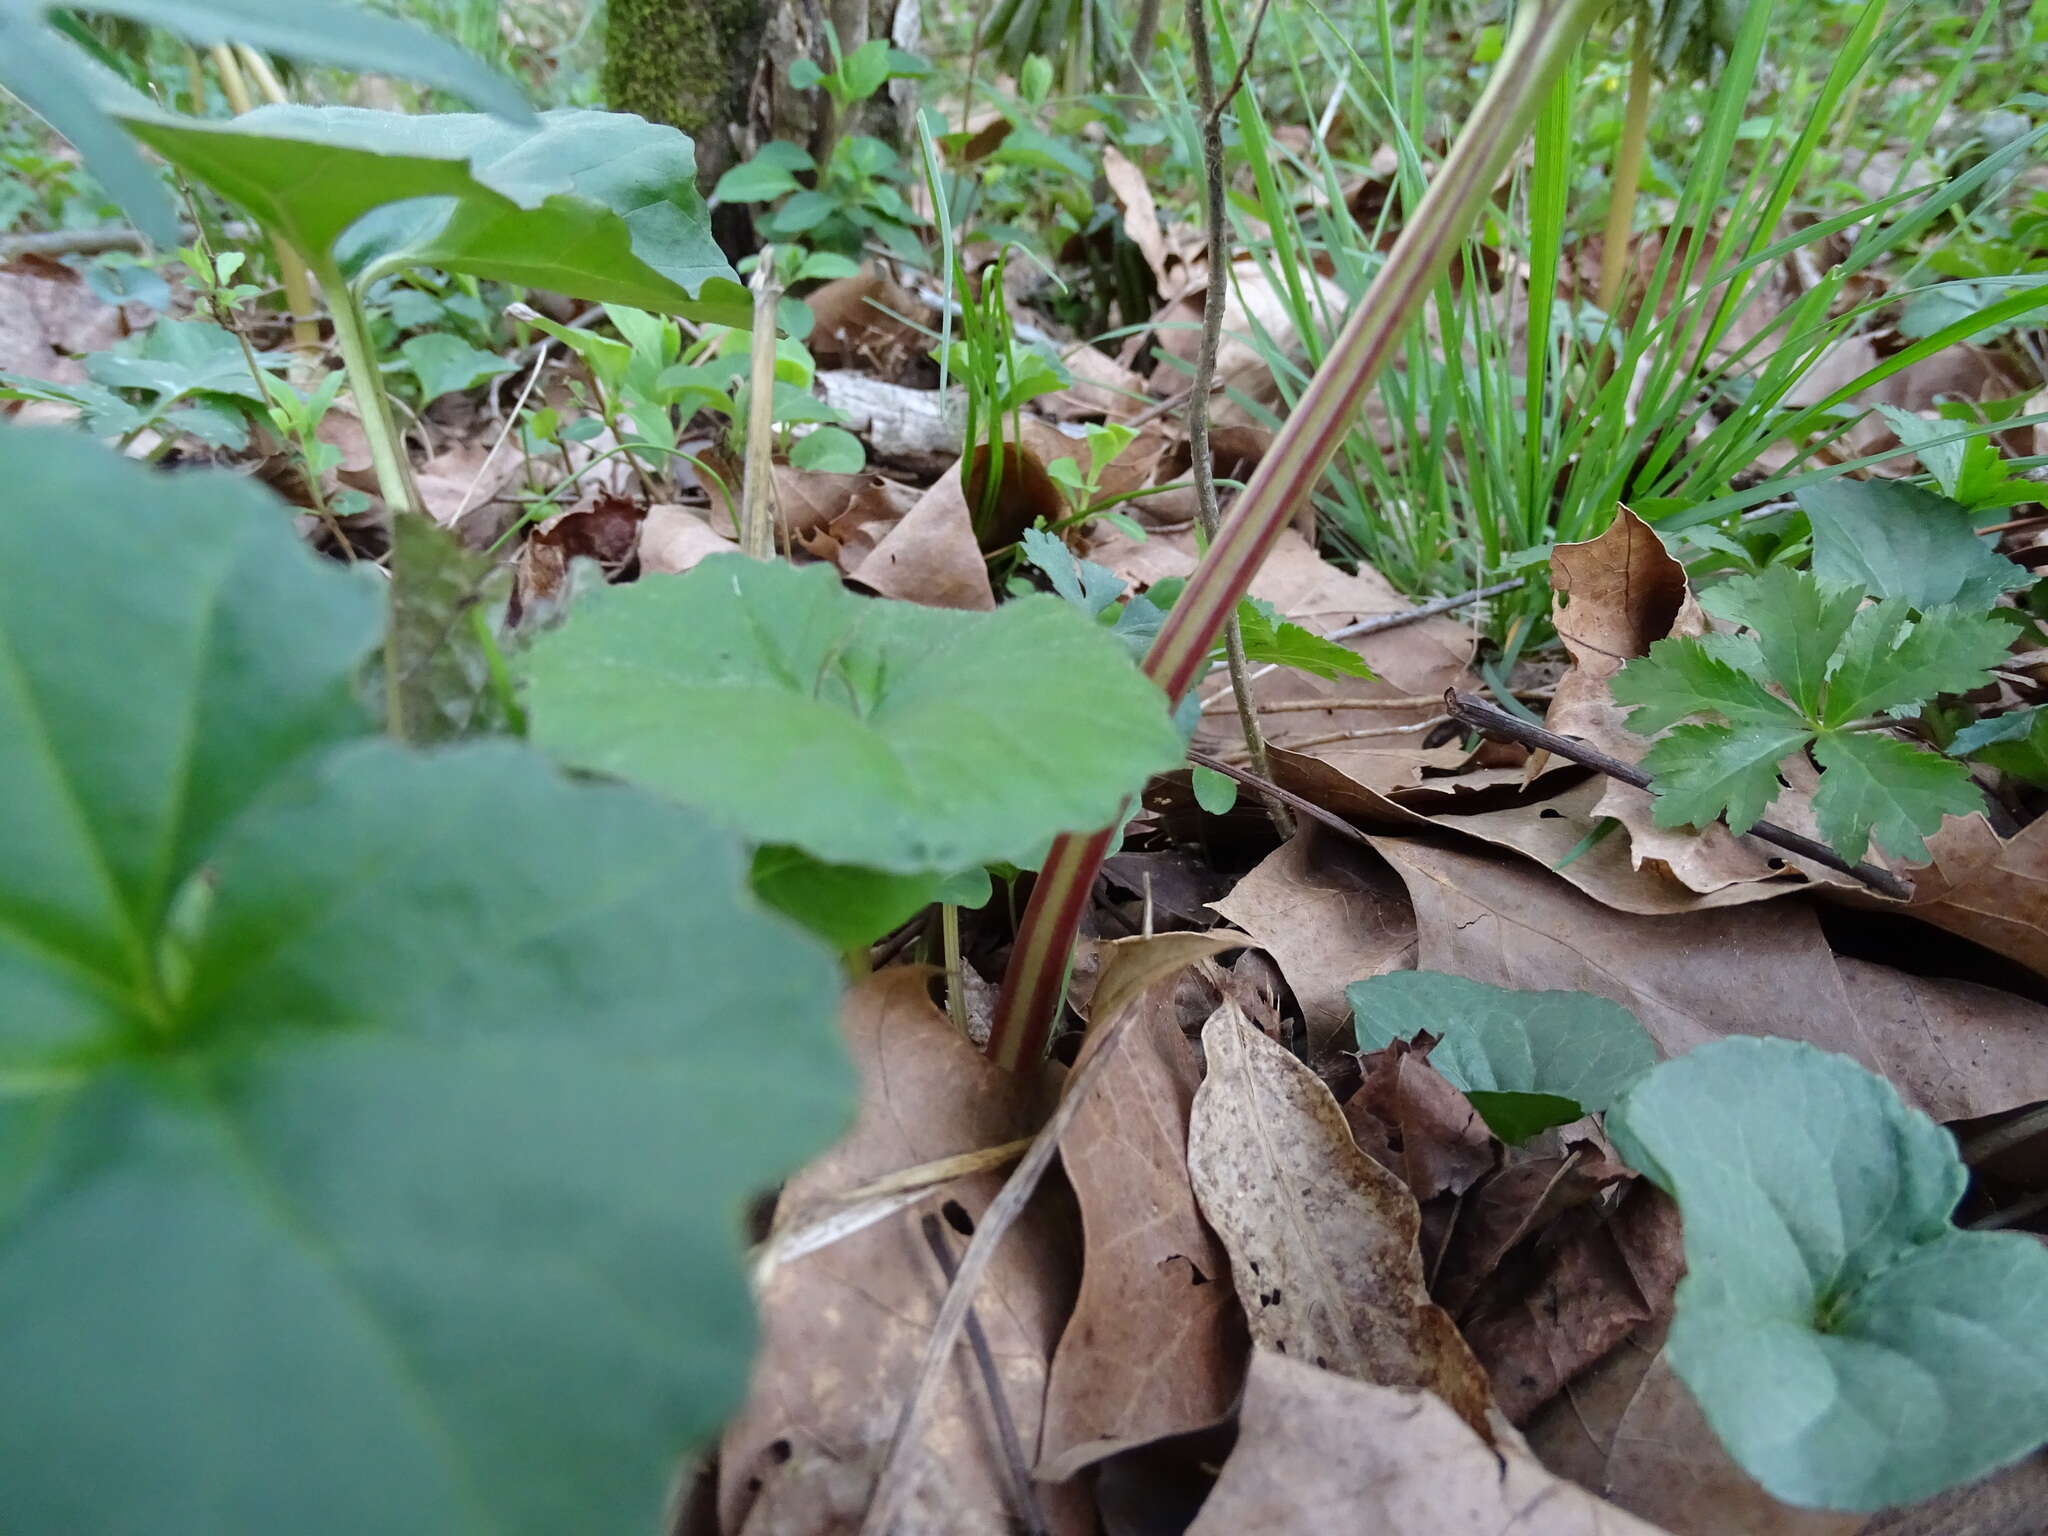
x,y
2014,743
59,83
1527,1060
1891,539
882,734
1892,661
430,1086
1850,1347
600,205
446,365
1706,772
1088,586
1272,640
1873,783
1798,624
1684,677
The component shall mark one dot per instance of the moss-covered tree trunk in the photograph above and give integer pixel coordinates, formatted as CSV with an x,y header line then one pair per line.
x,y
690,63
718,69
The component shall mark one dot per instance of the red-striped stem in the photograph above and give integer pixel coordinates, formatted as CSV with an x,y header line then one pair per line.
x,y
1545,33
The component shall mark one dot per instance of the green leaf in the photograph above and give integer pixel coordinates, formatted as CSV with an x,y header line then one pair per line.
x,y
176,359
843,904
1090,587
804,73
1705,772
830,451
1271,640
446,365
1798,625
357,1108
55,81
1891,661
882,734
599,205
755,182
1874,783
2014,743
1971,473
865,70
1527,1060
1850,1347
1683,677
1896,540
1215,792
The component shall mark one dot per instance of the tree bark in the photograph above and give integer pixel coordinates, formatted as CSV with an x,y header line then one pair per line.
x,y
689,63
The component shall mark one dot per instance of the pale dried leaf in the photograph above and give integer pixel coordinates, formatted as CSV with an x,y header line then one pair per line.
x,y
931,555
1319,1453
673,539
1322,1240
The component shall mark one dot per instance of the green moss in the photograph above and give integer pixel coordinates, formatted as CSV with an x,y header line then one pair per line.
x,y
674,61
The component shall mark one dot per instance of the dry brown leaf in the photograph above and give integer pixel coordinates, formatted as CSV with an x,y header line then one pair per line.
x,y
1318,1453
1512,1206
1600,1279
1102,387
1954,1049
1629,1430
1156,1344
931,556
673,539
1133,194
807,500
1445,1147
49,318
1322,1239
461,484
1689,978
1330,914
844,1329
1990,890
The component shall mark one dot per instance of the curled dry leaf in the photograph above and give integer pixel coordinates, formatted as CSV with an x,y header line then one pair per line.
x,y
868,322
1953,1050
1317,1452
1445,1147
1600,1279
1990,890
1133,194
1330,914
844,1328
1156,1344
1322,1239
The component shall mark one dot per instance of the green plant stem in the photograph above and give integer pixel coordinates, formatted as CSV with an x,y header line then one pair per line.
x,y
366,382
1544,35
291,270
1203,462
956,993
1628,170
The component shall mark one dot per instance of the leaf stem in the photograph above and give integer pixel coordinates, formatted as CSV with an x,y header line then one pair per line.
x,y
366,382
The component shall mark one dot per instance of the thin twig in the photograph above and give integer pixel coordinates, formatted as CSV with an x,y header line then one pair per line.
x,y
1476,714
757,496
1379,623
1204,465
1336,704
1215,109
1286,797
540,362
1023,1497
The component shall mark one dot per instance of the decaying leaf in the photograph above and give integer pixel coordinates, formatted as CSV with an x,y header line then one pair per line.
x,y
1318,1453
844,1328
1330,914
1156,1343
1322,1240
931,555
1990,890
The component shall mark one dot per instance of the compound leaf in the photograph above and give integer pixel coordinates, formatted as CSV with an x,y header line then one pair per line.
x,y
2015,742
1798,624
1705,772
1527,1060
1682,677
1877,784
892,736
1891,661
1850,1347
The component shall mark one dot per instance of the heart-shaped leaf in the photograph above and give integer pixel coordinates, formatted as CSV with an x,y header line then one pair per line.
x,y
1526,1060
597,204
882,734
358,1109
1850,1346
57,81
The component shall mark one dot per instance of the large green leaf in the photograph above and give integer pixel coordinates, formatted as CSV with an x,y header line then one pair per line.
x,y
67,87
1850,1346
1891,539
597,204
374,1127
882,734
1526,1060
